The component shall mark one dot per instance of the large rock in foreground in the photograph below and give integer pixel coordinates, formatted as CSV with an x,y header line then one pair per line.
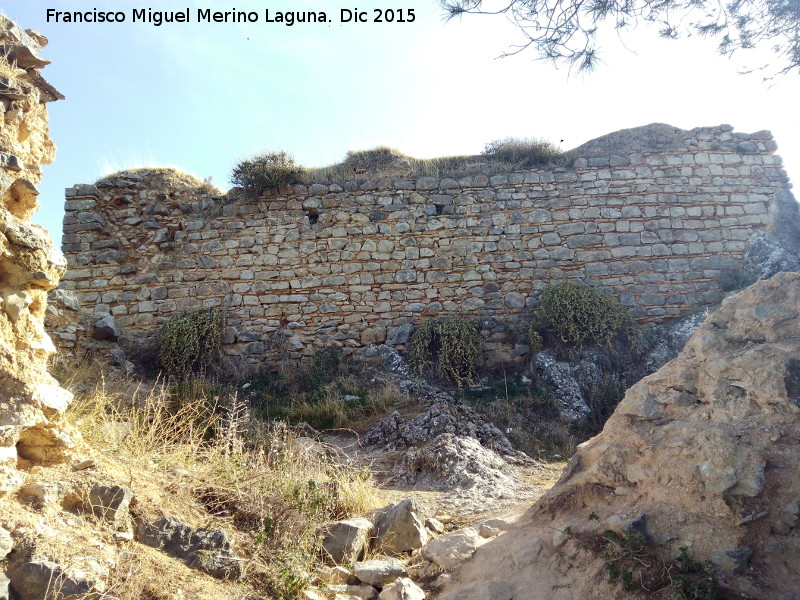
x,y
702,454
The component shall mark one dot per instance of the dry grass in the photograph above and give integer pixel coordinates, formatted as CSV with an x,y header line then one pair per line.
x,y
503,156
161,177
195,453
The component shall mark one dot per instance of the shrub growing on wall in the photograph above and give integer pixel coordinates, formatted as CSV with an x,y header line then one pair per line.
x,y
189,342
265,172
523,153
449,345
575,314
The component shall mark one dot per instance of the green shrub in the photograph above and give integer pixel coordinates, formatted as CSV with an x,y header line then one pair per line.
x,y
189,342
535,337
450,345
266,172
523,153
578,315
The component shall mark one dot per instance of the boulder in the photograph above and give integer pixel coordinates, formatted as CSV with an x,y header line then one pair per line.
x,y
766,255
379,572
107,328
110,501
402,589
206,550
353,592
344,542
45,494
448,551
399,335
566,382
42,579
400,527
337,575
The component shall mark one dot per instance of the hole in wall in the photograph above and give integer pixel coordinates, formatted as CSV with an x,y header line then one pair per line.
x,y
313,215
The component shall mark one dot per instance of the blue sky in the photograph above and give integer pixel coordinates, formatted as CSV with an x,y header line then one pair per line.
x,y
202,96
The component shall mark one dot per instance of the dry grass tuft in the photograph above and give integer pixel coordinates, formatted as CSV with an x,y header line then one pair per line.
x,y
194,451
162,177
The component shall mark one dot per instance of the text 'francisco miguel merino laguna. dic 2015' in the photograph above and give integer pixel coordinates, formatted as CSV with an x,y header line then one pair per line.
x,y
206,15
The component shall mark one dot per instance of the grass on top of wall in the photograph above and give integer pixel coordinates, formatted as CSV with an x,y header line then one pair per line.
x,y
270,171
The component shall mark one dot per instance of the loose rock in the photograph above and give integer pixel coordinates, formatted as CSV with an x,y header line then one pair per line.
x,y
450,550
402,589
379,572
344,542
401,527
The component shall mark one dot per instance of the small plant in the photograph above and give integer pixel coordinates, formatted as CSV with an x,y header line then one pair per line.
x,y
575,314
694,580
737,278
189,342
623,553
523,153
266,172
637,565
450,345
534,337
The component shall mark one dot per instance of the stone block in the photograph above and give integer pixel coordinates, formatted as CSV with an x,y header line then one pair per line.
x,y
344,542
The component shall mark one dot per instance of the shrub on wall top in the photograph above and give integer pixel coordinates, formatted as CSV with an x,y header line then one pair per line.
x,y
449,345
189,342
266,172
523,153
575,314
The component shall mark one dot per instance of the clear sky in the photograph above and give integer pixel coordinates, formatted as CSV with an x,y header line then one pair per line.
x,y
202,96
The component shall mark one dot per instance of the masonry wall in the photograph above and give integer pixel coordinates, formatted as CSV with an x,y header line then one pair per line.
x,y
655,216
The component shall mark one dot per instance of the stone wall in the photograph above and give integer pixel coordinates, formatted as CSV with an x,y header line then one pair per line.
x,y
656,215
31,401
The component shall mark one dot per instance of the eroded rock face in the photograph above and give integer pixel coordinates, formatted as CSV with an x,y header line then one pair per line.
x,y
701,454
31,401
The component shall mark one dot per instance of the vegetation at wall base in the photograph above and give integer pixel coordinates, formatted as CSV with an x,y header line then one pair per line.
x,y
448,346
327,391
572,313
189,342
737,278
531,416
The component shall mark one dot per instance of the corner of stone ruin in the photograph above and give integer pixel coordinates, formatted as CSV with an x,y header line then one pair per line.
x,y
32,403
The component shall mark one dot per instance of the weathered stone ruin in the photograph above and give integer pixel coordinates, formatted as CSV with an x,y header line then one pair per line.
x,y
657,215
31,401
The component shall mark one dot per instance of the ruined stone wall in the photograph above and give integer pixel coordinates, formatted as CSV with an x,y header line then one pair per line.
x,y
656,215
31,401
